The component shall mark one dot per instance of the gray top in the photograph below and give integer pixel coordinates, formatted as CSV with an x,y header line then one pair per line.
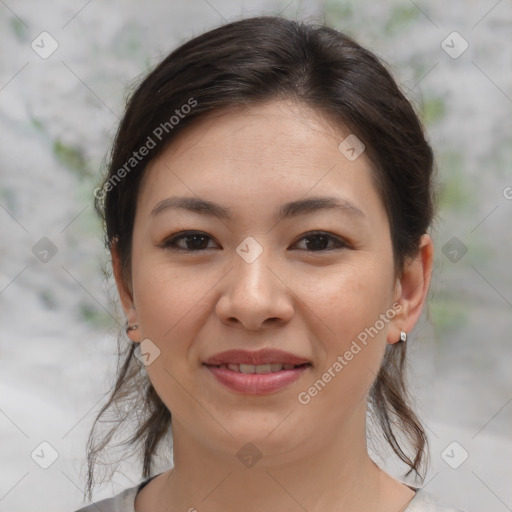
x,y
125,502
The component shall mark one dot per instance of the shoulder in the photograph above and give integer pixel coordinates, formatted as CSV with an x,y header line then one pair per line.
x,y
122,502
125,502
425,502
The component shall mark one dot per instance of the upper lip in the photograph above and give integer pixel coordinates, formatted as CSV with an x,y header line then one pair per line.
x,y
263,356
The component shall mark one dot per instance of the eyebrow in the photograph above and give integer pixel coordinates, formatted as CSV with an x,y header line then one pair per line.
x,y
287,210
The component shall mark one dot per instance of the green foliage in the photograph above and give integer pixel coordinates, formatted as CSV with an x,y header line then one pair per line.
x,y
456,192
47,297
88,221
72,157
95,316
339,11
37,124
433,110
481,252
127,42
20,30
447,314
401,16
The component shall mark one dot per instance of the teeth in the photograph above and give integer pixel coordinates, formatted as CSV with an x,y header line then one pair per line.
x,y
257,368
263,368
247,368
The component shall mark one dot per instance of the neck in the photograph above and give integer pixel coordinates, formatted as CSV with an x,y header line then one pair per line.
x,y
328,474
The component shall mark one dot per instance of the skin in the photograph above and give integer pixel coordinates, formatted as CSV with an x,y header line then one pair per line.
x,y
310,302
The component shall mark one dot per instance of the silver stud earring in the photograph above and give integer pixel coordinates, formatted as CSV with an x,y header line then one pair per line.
x,y
133,327
403,336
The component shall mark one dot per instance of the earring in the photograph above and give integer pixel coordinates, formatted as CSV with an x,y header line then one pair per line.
x,y
403,336
133,327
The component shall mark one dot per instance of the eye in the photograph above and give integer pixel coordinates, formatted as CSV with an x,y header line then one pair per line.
x,y
197,241
320,239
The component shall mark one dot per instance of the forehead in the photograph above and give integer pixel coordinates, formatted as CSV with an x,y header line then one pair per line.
x,y
276,152
274,131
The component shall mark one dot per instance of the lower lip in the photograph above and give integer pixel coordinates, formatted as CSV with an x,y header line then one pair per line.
x,y
256,383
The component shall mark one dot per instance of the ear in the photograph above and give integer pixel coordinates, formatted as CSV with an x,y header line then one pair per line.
x,y
125,294
411,289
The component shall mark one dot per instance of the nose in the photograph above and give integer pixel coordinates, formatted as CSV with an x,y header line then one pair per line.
x,y
255,295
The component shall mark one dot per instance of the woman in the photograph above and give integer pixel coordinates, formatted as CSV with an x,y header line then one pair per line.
x,y
266,208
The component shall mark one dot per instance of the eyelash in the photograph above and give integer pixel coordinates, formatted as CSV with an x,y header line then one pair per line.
x,y
170,243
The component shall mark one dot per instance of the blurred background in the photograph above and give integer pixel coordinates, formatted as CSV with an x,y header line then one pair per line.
x,y
65,73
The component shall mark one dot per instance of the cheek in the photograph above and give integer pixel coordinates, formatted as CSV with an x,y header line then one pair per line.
x,y
352,307
173,305
165,296
349,301
170,307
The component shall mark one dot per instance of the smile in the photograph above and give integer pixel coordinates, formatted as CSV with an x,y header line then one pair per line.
x,y
258,368
257,379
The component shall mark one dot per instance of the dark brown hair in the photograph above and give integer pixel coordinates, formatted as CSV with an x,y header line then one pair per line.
x,y
248,62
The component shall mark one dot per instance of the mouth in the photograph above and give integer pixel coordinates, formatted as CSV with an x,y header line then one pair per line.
x,y
257,379
256,372
260,369
265,360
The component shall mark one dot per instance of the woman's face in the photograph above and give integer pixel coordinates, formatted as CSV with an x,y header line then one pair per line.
x,y
315,282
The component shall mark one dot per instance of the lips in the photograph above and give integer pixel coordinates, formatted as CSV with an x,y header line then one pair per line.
x,y
258,368
256,373
266,356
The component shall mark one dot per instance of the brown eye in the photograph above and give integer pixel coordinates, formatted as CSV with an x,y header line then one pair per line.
x,y
193,241
319,241
197,241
